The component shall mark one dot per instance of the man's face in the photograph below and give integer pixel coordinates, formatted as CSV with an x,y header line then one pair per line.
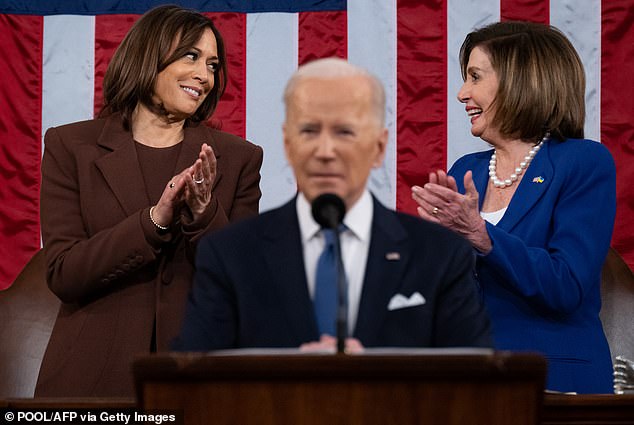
x,y
333,137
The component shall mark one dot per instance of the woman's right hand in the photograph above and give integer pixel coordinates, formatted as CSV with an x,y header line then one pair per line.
x,y
170,200
440,202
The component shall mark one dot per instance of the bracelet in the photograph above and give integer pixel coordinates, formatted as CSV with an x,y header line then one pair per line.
x,y
162,228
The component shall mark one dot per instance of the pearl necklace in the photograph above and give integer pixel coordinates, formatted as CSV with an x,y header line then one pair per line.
x,y
518,171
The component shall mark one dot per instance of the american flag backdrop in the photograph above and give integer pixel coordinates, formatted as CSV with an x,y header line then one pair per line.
x,y
54,53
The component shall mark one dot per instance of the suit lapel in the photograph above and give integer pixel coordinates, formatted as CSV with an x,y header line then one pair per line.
x,y
120,168
283,255
383,273
537,178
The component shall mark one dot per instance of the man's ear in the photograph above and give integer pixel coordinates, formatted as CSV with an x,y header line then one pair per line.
x,y
382,146
286,142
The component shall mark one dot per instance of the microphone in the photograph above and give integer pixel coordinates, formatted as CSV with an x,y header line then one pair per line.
x,y
328,210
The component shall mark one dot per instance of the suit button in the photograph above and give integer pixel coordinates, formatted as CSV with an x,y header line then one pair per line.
x,y
167,276
111,276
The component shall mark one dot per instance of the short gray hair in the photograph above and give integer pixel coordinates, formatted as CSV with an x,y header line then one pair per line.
x,y
330,68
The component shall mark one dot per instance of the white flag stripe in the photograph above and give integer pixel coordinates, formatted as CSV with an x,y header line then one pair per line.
x,y
462,17
68,70
581,22
372,45
271,59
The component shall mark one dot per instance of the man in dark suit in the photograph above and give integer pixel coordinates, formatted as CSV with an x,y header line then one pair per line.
x,y
410,282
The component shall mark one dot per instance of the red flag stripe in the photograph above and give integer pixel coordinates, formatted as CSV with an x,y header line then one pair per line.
x,y
525,10
421,94
617,112
20,150
230,115
322,34
109,31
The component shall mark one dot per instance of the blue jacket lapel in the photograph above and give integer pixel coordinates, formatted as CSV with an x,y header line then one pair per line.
x,y
283,254
537,178
382,274
534,184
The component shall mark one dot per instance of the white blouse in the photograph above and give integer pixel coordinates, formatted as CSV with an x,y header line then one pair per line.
x,y
493,217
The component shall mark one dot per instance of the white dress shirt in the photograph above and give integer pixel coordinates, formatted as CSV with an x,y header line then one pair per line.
x,y
355,243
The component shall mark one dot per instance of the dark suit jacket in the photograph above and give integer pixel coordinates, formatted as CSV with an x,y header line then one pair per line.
x,y
121,283
541,281
250,287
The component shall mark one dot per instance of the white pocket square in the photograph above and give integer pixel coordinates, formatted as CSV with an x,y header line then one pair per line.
x,y
401,301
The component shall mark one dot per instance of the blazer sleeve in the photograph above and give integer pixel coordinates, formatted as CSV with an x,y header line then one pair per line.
x,y
558,274
80,264
246,195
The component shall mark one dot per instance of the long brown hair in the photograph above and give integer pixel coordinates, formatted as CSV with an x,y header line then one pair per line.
x,y
541,79
160,37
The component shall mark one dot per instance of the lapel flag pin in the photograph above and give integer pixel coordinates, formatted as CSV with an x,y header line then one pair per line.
x,y
392,256
538,179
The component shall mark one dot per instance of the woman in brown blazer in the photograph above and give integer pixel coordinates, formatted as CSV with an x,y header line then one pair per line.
x,y
125,198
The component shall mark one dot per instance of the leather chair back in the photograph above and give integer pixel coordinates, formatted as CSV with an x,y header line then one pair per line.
x,y
28,310
617,312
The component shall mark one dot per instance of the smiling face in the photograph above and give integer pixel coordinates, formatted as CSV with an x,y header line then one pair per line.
x,y
478,93
333,137
185,83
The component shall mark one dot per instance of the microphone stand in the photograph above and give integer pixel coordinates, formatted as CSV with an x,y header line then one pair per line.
x,y
342,299
328,210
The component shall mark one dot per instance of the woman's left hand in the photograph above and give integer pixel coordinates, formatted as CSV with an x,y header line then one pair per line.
x,y
440,202
199,180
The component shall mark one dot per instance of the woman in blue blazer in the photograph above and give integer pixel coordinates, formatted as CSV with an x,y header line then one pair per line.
x,y
539,207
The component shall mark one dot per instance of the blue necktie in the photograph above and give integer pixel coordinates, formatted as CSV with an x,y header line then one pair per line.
x,y
325,301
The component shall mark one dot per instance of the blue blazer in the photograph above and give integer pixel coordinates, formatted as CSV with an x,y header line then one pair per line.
x,y
250,287
541,281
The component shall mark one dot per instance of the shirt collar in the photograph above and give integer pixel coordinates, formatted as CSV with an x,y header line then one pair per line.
x,y
358,219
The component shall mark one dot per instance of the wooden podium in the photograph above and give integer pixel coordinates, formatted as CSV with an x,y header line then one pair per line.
x,y
443,389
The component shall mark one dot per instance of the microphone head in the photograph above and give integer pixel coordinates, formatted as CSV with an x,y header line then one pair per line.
x,y
328,210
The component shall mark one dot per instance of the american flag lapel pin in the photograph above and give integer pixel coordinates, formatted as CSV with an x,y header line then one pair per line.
x,y
538,179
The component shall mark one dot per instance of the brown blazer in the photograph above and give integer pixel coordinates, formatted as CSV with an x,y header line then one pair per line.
x,y
122,284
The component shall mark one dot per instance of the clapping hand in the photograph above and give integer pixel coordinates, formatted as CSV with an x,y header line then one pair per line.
x,y
199,179
440,202
191,186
